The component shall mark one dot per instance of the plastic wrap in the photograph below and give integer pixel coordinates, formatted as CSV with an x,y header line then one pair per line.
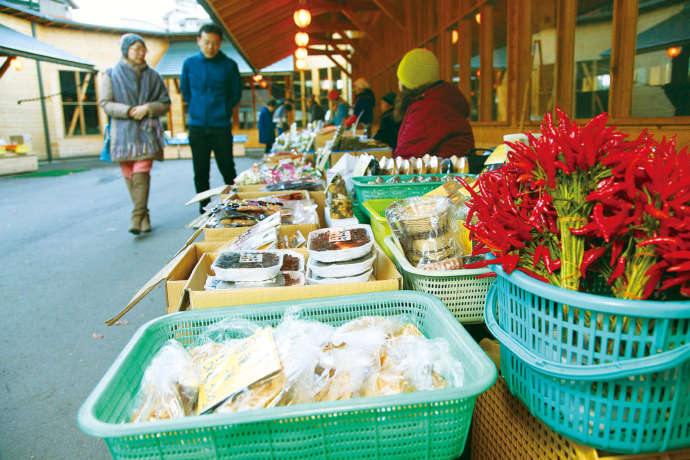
x,y
342,269
337,244
360,278
426,228
292,262
247,265
170,386
260,235
338,200
214,283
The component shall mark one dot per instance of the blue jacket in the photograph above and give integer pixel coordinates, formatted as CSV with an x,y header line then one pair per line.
x,y
340,113
212,88
267,132
364,104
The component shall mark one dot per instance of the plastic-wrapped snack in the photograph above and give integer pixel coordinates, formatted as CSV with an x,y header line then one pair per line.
x,y
426,228
339,201
360,278
170,386
247,265
264,393
343,269
338,244
292,262
280,280
454,263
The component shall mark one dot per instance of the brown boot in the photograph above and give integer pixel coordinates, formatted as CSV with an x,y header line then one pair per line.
x,y
140,187
135,225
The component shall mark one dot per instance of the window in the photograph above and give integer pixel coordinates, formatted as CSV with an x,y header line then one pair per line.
x,y
79,105
660,85
475,74
592,57
499,87
543,76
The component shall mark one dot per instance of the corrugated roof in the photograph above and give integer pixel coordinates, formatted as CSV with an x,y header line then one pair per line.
x,y
170,65
13,43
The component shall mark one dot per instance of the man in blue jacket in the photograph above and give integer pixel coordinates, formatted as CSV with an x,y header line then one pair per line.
x,y
211,86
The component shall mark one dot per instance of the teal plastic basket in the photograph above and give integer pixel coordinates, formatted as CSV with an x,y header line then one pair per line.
x,y
366,189
609,373
424,424
459,290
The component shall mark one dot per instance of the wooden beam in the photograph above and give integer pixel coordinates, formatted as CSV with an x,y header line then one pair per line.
x,y
519,60
393,14
623,45
356,46
465,57
565,57
360,24
345,71
486,63
6,65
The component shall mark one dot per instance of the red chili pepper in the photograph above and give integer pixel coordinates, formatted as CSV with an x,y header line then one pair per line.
x,y
590,256
680,267
618,271
669,283
658,240
486,275
616,249
533,274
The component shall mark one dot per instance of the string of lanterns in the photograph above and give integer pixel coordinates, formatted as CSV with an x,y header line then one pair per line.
x,y
302,19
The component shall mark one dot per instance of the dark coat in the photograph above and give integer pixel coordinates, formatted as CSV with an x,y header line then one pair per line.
x,y
436,123
388,131
267,130
212,88
364,104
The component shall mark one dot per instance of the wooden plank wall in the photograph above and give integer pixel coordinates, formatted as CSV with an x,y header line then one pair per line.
x,y
430,20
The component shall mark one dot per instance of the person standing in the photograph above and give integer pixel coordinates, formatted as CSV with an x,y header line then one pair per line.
x,y
434,113
210,84
339,108
133,95
388,130
267,129
316,111
280,116
364,104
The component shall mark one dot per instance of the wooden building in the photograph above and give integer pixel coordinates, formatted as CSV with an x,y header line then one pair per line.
x,y
513,59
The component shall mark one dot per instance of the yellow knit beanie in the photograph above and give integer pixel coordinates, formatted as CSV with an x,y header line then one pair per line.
x,y
418,67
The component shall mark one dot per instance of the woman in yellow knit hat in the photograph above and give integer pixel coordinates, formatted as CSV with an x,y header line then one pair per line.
x,y
434,113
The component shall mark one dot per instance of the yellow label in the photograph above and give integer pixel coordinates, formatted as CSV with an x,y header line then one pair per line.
x,y
251,360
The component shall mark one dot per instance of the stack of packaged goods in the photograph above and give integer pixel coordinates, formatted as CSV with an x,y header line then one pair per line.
x,y
252,269
341,255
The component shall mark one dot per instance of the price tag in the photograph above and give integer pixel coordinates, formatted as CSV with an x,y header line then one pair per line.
x,y
251,258
339,236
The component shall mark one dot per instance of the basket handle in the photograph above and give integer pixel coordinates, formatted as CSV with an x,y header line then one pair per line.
x,y
626,368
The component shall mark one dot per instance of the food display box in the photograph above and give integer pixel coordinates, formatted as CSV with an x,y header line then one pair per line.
x,y
179,274
319,197
227,234
387,279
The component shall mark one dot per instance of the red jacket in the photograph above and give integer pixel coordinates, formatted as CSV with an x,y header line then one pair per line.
x,y
436,123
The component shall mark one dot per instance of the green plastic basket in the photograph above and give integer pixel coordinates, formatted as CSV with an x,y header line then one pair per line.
x,y
376,209
366,189
459,290
423,424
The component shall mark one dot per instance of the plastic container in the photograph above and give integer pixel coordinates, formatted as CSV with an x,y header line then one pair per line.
x,y
459,290
242,265
366,189
342,269
294,278
501,421
340,236
426,424
598,392
376,209
213,283
359,278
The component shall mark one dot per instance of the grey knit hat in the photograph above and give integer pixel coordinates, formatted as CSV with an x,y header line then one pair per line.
x,y
128,40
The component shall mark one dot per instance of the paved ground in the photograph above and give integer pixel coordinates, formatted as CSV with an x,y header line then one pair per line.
x,y
68,264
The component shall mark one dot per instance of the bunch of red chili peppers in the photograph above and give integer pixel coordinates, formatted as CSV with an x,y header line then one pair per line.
x,y
582,206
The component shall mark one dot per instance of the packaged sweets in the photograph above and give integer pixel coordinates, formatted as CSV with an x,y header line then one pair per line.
x,y
342,269
247,265
362,277
338,244
292,262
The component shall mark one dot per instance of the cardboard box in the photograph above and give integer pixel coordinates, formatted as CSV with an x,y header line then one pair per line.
x,y
387,279
180,272
227,234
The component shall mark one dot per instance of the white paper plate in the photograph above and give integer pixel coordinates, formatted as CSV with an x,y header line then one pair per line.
x,y
340,269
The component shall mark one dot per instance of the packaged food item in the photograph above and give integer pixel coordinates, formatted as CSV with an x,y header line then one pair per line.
x,y
247,265
214,283
454,263
338,244
170,386
314,279
342,269
292,262
339,201
426,228
294,278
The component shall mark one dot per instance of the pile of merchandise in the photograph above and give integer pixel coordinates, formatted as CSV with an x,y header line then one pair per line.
x,y
341,255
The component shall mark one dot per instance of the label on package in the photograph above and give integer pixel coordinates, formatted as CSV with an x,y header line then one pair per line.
x,y
251,258
339,236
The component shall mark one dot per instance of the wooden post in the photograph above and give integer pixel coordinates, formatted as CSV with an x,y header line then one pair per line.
x,y
465,57
254,121
6,65
486,63
78,114
315,82
519,59
565,55
623,45
302,90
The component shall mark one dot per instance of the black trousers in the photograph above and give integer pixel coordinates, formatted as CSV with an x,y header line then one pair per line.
x,y
203,141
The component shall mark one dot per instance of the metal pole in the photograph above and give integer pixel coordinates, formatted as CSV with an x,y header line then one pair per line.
x,y
46,132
